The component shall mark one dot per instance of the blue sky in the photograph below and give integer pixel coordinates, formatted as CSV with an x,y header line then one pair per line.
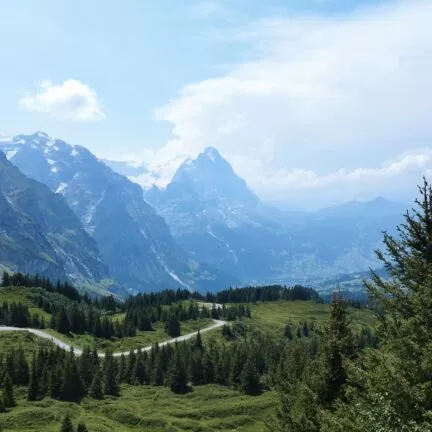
x,y
152,80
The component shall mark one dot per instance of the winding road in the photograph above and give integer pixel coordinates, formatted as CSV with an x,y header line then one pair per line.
x,y
78,352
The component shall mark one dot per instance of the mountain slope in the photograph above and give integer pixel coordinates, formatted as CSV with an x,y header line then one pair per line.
x,y
40,234
214,215
134,241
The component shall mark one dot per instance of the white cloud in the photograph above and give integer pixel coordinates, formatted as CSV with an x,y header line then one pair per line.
x,y
324,100
71,100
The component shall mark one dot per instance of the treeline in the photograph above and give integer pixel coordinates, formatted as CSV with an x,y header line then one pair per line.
x,y
25,280
263,294
166,297
16,314
80,318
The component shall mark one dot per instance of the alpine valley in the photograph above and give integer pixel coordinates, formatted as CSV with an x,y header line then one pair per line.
x,y
205,230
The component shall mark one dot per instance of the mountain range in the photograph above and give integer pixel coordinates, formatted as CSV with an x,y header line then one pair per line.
x,y
215,216
135,243
206,229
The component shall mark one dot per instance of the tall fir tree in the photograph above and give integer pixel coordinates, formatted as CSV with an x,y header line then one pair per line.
x,y
391,388
8,392
177,373
2,404
62,322
96,388
110,370
33,387
250,379
307,388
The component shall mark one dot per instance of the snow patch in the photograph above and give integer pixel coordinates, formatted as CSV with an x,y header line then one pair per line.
x,y
54,170
226,245
176,278
165,267
74,152
50,161
88,216
62,187
10,154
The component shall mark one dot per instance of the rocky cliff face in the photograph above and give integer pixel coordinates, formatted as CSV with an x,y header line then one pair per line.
x,y
40,234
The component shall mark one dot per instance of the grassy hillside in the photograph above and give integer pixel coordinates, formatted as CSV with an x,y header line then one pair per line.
x,y
30,342
142,338
272,316
26,296
206,408
269,317
152,409
22,295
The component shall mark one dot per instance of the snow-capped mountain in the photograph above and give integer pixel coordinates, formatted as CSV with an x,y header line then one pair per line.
x,y
134,241
40,234
215,216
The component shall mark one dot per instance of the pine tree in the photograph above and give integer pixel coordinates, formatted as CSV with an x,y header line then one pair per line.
x,y
110,383
72,388
196,368
8,392
5,279
198,342
33,385
62,322
237,362
177,374
306,389
157,376
403,301
130,366
250,379
54,383
139,372
208,368
122,369
86,367
172,326
67,425
22,369
2,404
338,345
96,388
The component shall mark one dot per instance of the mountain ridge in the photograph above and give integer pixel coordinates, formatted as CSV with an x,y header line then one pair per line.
x,y
218,218
135,242
40,234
